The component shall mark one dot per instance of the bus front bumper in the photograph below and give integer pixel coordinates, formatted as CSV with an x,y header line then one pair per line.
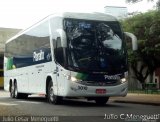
x,y
78,90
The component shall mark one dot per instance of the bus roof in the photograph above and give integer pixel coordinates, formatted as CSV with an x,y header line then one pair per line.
x,y
86,16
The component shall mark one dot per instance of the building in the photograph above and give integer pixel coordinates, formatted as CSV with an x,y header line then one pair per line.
x,y
5,34
156,77
117,11
153,80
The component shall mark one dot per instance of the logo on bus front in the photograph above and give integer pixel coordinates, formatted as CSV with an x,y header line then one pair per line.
x,y
112,77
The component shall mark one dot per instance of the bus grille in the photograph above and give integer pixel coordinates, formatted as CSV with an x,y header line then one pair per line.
x,y
99,83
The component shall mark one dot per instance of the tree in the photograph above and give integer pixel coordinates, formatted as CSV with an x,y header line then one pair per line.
x,y
140,68
147,29
158,5
135,1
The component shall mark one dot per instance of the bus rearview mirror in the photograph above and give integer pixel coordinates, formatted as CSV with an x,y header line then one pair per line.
x,y
134,40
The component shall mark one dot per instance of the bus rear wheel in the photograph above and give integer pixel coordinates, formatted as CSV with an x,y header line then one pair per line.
x,y
12,91
101,100
52,98
18,95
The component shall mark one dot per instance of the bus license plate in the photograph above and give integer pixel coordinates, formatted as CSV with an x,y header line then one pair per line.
x,y
101,91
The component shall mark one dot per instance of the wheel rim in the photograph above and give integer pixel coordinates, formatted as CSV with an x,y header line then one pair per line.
x,y
51,94
15,92
12,91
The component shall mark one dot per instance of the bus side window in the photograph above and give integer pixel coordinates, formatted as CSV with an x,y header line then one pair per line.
x,y
59,53
1,66
1,73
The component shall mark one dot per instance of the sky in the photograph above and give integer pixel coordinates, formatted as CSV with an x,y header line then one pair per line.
x,y
24,13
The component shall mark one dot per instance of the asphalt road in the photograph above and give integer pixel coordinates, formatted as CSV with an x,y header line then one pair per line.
x,y
73,110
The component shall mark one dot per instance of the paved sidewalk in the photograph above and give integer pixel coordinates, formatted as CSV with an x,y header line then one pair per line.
x,y
148,99
4,93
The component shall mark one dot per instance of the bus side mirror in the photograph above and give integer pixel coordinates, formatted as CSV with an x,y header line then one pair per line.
x,y
134,40
63,37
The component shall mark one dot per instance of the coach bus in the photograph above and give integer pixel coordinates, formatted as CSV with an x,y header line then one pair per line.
x,y
68,55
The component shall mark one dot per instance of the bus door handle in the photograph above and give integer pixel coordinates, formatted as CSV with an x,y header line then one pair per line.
x,y
55,71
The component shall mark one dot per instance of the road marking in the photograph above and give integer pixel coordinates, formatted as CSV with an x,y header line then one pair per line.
x,y
4,97
7,104
29,102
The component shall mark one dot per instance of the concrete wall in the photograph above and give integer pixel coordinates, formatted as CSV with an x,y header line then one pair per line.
x,y
5,34
117,11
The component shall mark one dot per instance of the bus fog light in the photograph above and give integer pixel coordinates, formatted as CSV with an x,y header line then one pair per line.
x,y
123,80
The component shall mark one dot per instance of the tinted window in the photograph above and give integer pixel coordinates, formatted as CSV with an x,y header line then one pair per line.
x,y
1,62
1,73
95,46
59,52
33,47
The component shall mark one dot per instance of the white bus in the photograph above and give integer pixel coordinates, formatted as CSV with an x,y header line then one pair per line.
x,y
68,55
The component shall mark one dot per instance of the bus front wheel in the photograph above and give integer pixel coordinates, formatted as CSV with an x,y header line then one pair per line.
x,y
52,98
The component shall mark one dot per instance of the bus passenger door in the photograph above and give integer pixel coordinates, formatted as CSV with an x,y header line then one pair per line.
x,y
60,63
58,40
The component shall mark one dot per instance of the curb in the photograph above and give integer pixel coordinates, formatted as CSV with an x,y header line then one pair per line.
x,y
137,102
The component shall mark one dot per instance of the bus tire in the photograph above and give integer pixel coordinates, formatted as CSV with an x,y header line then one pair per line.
x,y
12,91
52,98
17,95
101,100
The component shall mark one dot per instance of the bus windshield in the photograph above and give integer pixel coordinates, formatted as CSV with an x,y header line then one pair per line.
x,y
95,46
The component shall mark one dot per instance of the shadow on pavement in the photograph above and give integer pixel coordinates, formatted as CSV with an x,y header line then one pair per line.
x,y
75,102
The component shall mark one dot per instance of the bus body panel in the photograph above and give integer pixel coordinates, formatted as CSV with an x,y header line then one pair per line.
x,y
30,79
90,91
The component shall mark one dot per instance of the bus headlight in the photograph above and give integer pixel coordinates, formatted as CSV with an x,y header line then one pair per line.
x,y
74,79
123,80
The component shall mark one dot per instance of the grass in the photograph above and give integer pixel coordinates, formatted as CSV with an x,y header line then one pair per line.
x,y
144,91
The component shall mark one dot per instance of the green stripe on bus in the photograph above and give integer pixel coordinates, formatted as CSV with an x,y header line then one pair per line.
x,y
81,76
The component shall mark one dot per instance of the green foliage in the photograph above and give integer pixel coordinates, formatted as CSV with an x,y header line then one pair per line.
x,y
146,27
139,24
135,1
158,5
